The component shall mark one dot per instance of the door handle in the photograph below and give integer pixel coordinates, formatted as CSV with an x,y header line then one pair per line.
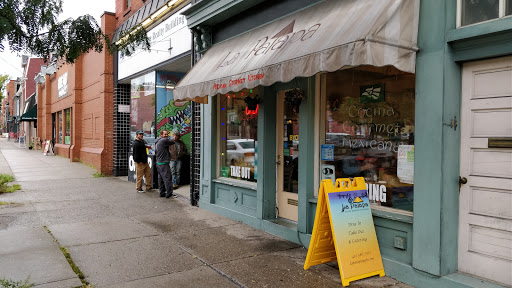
x,y
278,162
462,180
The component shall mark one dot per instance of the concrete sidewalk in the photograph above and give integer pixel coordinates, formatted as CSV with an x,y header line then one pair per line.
x,y
120,238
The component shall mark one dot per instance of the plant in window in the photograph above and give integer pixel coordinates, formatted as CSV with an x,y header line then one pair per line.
x,y
295,97
252,102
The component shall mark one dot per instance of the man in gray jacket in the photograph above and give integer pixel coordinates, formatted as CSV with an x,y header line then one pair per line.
x,y
162,164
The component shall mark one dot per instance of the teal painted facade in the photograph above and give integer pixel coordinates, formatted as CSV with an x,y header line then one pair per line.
x,y
430,257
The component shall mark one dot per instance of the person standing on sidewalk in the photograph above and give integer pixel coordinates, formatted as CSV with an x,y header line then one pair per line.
x,y
140,157
178,151
162,145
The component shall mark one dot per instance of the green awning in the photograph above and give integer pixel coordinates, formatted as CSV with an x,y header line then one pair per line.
x,y
30,115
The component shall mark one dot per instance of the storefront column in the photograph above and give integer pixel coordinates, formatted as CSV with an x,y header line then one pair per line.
x,y
266,192
307,142
436,168
48,123
76,113
209,151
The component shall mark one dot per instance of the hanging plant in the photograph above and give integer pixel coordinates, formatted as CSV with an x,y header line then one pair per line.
x,y
252,102
295,97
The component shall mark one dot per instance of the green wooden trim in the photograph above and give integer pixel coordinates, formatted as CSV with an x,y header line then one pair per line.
x,y
267,153
429,138
307,143
212,12
393,216
479,30
236,183
482,40
451,155
407,274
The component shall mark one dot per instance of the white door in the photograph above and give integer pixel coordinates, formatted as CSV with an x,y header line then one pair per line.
x,y
287,159
485,212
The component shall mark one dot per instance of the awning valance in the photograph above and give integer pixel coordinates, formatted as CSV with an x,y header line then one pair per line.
x,y
321,38
30,115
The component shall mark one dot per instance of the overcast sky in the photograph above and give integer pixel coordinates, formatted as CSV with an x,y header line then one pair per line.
x,y
10,63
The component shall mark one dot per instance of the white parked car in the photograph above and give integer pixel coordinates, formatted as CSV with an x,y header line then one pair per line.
x,y
240,151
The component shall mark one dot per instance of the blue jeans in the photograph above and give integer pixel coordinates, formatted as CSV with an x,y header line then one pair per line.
x,y
176,171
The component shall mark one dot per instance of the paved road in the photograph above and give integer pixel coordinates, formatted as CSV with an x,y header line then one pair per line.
x,y
120,238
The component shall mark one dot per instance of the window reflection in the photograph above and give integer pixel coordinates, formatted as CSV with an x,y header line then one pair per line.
x,y
474,11
238,122
369,125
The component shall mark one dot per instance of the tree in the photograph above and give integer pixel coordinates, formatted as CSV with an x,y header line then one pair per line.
x,y
3,80
31,26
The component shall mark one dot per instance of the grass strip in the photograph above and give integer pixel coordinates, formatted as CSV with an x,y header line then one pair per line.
x,y
4,187
16,284
6,203
64,250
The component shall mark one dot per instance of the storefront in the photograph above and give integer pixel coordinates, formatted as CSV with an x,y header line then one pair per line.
x,y
339,89
151,77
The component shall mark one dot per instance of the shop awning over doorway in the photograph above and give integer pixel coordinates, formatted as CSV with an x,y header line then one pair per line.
x,y
322,38
30,115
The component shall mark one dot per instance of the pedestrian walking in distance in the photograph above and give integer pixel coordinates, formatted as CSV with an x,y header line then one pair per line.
x,y
140,157
178,151
162,145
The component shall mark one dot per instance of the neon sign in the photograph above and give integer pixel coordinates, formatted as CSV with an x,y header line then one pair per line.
x,y
252,112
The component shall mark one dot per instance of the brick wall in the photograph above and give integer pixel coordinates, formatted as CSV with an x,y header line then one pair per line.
x,y
89,96
123,12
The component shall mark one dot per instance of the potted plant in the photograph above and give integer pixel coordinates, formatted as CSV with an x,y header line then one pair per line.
x,y
295,97
252,102
31,145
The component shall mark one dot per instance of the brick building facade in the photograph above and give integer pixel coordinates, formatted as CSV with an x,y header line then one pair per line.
x,y
75,107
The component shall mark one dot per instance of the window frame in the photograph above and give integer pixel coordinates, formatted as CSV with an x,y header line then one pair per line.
x,y
501,14
320,115
218,166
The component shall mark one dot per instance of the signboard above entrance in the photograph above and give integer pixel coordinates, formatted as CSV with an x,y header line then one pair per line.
x,y
168,40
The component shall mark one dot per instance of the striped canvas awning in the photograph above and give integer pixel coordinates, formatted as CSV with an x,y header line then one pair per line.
x,y
322,38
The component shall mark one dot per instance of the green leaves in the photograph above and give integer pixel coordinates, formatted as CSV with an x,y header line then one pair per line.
x,y
31,26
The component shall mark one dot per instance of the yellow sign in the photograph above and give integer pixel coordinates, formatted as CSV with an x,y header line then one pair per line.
x,y
344,231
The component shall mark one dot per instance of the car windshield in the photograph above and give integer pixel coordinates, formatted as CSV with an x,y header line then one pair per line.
x,y
247,144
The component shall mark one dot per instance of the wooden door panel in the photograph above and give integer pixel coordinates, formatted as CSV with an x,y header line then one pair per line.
x,y
485,204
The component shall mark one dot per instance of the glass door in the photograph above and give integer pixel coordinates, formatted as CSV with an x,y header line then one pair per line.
x,y
287,158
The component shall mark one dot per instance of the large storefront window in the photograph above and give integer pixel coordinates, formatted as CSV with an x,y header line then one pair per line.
x,y
59,126
238,122
67,139
369,131
142,106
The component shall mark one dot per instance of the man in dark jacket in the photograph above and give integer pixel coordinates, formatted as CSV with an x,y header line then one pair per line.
x,y
162,164
178,151
140,157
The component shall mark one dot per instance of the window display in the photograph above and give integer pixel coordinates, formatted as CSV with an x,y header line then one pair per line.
x,y
142,106
67,139
369,131
59,126
238,122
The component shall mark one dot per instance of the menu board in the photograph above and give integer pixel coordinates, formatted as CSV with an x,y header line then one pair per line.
x,y
347,209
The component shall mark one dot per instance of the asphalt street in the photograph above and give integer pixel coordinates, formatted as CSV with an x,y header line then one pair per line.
x,y
120,238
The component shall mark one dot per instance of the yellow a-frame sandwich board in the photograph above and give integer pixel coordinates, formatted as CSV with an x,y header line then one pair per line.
x,y
344,231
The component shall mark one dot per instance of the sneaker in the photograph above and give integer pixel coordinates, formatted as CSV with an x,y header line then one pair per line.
x,y
171,196
140,190
175,186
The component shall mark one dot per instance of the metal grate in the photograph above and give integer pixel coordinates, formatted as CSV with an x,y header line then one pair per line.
x,y
195,163
121,130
